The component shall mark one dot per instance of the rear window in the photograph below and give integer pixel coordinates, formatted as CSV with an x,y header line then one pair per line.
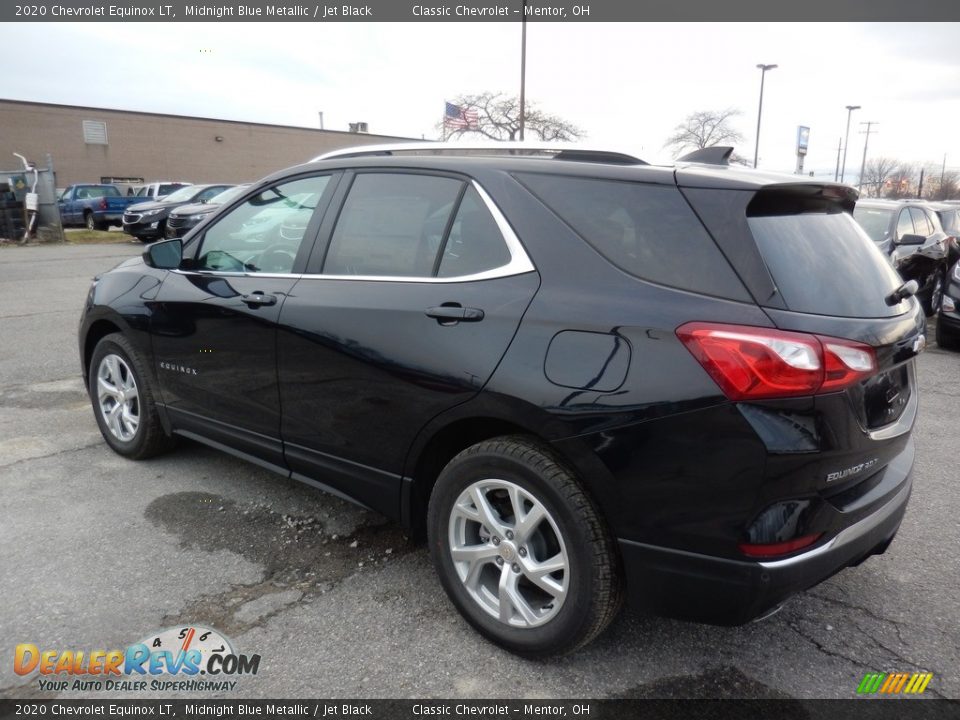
x,y
825,264
167,188
875,221
950,219
646,230
97,191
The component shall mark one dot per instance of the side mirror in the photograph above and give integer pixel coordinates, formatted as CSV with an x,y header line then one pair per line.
x,y
911,240
164,255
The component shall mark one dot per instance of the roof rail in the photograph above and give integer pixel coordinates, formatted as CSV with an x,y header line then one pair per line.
x,y
714,155
559,151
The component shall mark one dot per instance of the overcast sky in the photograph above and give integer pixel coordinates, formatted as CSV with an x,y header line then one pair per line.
x,y
626,85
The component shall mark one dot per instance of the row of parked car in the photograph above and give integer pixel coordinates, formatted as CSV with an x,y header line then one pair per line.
x,y
922,240
151,212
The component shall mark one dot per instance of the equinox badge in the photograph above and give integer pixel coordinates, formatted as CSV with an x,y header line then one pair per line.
x,y
851,471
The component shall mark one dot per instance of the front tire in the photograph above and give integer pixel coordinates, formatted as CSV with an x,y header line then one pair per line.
x,y
931,303
521,549
123,400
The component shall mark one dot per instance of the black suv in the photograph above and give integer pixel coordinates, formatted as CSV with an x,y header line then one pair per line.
x,y
580,376
909,231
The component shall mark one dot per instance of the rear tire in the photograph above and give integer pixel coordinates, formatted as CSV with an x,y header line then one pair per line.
x,y
492,557
123,400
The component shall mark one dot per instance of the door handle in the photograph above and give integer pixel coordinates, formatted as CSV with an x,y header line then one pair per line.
x,y
258,298
453,312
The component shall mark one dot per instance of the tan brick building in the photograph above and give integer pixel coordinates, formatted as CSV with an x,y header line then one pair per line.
x,y
87,144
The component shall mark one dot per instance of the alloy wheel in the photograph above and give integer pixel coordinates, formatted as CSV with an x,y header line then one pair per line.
x,y
118,397
936,294
508,553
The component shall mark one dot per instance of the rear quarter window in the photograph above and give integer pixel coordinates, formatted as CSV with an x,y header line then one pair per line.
x,y
648,231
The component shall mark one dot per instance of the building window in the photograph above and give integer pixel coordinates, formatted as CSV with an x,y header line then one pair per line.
x,y
94,132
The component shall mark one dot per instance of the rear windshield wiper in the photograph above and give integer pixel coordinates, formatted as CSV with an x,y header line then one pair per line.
x,y
908,289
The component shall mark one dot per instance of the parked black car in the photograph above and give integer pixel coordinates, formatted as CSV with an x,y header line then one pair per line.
x,y
910,233
576,375
147,221
187,217
948,317
948,213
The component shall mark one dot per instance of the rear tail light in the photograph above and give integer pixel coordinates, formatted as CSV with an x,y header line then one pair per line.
x,y
768,550
751,363
103,203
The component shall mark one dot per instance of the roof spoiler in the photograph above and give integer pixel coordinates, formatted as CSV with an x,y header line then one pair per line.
x,y
715,155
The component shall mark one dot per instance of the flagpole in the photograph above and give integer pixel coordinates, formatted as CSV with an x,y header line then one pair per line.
x,y
443,123
523,67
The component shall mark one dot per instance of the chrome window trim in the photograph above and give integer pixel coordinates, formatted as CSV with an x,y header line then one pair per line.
x,y
519,264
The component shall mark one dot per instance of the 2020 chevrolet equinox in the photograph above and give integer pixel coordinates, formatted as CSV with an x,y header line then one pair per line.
x,y
583,378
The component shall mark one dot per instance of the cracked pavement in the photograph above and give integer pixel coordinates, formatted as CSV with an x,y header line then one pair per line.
x,y
99,551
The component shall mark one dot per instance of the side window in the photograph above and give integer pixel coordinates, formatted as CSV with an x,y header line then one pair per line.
x,y
646,230
904,224
265,232
475,243
920,222
392,224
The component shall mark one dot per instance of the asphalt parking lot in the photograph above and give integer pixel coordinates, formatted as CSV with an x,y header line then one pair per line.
x,y
98,552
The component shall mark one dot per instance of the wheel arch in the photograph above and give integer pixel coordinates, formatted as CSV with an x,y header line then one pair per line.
x,y
433,450
98,330
454,432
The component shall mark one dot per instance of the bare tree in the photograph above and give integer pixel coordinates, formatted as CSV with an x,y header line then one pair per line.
x,y
705,129
876,174
942,185
902,182
499,119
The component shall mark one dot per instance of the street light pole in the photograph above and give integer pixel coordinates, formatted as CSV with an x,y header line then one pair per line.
x,y
843,169
763,74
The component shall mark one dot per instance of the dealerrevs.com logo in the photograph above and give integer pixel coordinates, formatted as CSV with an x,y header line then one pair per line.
x,y
894,683
191,658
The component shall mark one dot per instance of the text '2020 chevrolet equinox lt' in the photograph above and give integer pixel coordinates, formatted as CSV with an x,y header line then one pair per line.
x,y
581,377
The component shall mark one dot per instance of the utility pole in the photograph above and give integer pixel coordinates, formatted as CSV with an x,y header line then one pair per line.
x,y
920,186
866,141
836,173
523,69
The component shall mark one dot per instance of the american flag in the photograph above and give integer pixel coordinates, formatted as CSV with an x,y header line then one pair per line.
x,y
460,118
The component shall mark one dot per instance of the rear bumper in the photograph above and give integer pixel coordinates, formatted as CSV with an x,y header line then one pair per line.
x,y
720,591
